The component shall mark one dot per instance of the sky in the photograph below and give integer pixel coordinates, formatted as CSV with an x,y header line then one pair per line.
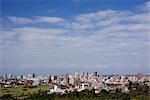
x,y
65,36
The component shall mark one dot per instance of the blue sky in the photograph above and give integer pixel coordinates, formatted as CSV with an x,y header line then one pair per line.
x,y
59,36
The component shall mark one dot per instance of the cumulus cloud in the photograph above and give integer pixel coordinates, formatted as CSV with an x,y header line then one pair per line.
x,y
113,40
20,20
144,7
102,18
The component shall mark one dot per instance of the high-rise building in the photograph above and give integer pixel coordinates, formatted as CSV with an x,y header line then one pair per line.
x,y
66,79
95,73
29,75
77,81
55,77
7,76
72,80
76,74
49,79
21,76
140,75
82,73
82,76
86,77
33,75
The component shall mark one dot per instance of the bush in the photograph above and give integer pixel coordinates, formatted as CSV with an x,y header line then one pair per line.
x,y
7,97
24,89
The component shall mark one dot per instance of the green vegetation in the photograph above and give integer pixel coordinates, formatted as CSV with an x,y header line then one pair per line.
x,y
84,95
40,93
23,91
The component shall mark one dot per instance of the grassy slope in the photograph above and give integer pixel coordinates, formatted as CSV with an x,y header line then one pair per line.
x,y
21,91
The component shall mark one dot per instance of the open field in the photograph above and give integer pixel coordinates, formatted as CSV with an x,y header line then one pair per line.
x,y
23,91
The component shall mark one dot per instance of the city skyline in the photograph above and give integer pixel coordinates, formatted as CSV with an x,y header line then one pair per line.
x,y
110,37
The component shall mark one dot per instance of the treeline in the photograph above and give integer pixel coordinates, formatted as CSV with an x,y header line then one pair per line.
x,y
84,95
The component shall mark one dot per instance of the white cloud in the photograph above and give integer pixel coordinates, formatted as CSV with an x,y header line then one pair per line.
x,y
144,7
80,26
102,18
42,31
96,16
20,20
113,39
52,20
37,19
